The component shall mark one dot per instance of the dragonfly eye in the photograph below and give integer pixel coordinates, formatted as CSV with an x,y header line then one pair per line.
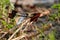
x,y
13,14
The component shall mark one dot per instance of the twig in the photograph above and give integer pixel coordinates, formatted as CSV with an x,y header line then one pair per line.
x,y
20,37
18,29
26,35
3,35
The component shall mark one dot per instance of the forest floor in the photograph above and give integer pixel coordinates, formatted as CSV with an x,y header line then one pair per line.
x,y
45,25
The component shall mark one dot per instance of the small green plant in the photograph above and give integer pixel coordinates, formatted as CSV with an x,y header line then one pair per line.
x,y
9,26
56,6
4,13
55,15
52,35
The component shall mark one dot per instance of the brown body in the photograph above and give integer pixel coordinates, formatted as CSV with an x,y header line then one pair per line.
x,y
35,17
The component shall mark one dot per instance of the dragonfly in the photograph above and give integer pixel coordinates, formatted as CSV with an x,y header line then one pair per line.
x,y
23,16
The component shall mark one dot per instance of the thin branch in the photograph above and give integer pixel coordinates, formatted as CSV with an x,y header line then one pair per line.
x,y
3,35
20,37
18,29
26,35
